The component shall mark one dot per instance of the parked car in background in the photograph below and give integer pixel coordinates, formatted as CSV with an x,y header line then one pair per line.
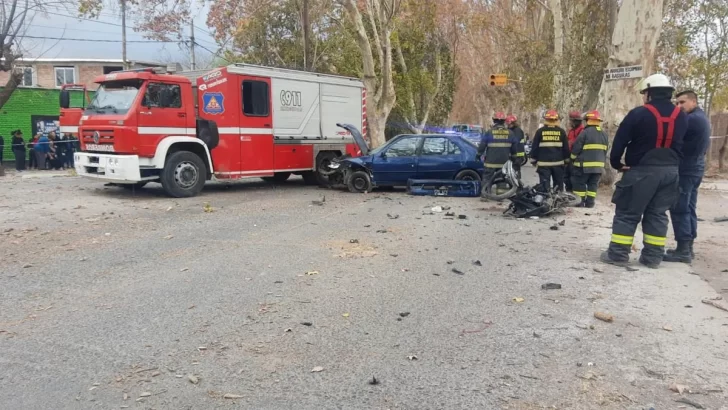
x,y
410,156
470,132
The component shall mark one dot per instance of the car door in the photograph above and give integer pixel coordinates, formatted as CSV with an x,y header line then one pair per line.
x,y
158,119
439,159
397,163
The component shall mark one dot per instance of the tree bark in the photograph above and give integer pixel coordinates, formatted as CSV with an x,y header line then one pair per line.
x,y
722,152
634,40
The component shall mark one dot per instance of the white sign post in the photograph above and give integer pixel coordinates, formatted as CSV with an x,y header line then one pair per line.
x,y
623,73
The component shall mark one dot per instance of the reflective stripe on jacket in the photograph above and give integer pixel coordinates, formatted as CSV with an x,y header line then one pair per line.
x,y
590,150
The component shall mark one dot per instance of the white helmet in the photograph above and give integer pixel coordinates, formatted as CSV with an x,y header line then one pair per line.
x,y
654,81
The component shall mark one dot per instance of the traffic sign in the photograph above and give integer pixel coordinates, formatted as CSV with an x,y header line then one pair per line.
x,y
623,73
498,79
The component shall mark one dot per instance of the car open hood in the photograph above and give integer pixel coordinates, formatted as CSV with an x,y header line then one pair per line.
x,y
363,147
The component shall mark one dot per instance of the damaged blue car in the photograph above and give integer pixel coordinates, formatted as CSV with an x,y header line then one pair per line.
x,y
408,156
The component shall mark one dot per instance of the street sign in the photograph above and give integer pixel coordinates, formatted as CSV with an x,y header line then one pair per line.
x,y
498,79
623,73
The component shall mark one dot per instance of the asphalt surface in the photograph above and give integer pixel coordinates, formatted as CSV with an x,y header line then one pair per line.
x,y
112,299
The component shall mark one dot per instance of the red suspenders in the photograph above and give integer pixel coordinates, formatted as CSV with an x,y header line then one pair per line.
x,y
664,138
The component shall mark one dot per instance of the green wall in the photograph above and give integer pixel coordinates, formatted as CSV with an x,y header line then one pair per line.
x,y
24,103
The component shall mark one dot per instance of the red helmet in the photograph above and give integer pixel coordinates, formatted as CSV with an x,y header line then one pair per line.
x,y
511,119
499,116
551,115
575,115
593,115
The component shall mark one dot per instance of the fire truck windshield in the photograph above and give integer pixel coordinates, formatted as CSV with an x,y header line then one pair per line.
x,y
114,97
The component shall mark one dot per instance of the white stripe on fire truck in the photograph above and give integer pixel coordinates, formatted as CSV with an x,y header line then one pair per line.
x,y
67,128
166,130
249,131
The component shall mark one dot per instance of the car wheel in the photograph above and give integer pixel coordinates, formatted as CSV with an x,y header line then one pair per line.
x,y
278,177
359,182
183,175
467,175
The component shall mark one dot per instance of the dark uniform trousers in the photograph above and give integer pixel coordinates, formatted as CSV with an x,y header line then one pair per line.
x,y
569,177
548,173
585,184
646,193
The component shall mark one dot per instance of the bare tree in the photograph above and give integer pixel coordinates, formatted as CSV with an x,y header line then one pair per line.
x,y
13,17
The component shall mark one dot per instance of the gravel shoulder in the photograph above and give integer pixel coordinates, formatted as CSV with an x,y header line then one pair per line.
x,y
231,299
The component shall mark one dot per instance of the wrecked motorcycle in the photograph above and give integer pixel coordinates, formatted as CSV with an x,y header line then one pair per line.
x,y
525,201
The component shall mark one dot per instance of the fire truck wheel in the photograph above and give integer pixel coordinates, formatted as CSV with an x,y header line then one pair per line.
x,y
278,177
183,175
359,182
467,175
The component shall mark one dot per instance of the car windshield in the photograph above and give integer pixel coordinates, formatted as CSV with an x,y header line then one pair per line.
x,y
114,97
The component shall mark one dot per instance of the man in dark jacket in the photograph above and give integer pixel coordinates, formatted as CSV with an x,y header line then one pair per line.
x,y
18,146
576,127
692,167
499,145
588,155
652,136
550,152
520,160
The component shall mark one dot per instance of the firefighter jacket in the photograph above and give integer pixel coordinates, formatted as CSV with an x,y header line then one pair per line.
x,y
521,147
573,133
499,145
590,150
550,147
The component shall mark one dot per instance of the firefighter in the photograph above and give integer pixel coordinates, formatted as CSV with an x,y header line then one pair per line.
x,y
575,128
652,136
501,145
588,155
512,124
550,152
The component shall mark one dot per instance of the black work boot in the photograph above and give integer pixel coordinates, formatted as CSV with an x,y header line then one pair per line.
x,y
589,202
649,262
607,258
681,254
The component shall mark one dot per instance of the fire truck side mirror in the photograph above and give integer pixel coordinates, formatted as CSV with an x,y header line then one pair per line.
x,y
64,99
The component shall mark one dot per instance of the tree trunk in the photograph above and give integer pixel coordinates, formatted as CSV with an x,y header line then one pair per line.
x,y
634,40
558,92
307,55
722,152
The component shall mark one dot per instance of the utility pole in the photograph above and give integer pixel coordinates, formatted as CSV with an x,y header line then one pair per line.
x,y
123,35
192,42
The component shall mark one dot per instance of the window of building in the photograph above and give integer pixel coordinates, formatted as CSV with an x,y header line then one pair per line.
x,y
65,75
152,96
108,69
28,79
255,98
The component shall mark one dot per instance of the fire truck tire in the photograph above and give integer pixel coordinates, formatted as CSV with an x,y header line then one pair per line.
x,y
278,177
467,175
132,187
359,182
183,175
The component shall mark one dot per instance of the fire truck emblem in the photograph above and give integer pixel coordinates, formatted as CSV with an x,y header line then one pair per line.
x,y
97,137
212,103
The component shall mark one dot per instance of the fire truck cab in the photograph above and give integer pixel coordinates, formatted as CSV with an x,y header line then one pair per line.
x,y
238,121
70,115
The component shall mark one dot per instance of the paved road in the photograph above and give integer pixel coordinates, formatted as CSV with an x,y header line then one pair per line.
x,y
111,299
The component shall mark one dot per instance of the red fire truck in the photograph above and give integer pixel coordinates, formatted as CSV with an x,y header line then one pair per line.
x,y
239,121
70,116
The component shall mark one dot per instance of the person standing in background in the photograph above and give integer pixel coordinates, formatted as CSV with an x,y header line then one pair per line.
x,y
32,160
18,146
42,149
692,167
575,128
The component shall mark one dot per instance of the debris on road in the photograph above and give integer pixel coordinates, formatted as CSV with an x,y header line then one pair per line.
x,y
721,219
477,263
450,214
353,241
193,379
312,272
631,269
345,314
716,302
374,381
307,323
390,216
597,270
27,265
668,328
184,269
605,317
319,203
461,216
232,396
687,401
436,209
404,314
145,394
169,237
551,286
457,271
562,223
412,357
317,369
554,227
519,300
679,388
207,208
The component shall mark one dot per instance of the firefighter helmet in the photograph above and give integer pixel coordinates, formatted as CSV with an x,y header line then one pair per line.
x,y
499,116
654,81
551,115
575,115
511,119
593,115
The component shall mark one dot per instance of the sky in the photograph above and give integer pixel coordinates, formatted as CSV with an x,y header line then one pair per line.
x,y
61,23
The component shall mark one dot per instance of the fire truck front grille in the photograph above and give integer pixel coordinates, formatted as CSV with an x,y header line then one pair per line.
x,y
105,136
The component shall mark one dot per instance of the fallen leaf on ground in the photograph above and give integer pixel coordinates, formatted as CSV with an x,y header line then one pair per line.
x,y
184,269
345,315
312,272
519,300
317,369
145,394
207,208
232,396
193,379
606,317
668,328
169,237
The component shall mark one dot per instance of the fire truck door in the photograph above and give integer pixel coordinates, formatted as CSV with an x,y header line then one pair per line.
x,y
256,126
158,119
